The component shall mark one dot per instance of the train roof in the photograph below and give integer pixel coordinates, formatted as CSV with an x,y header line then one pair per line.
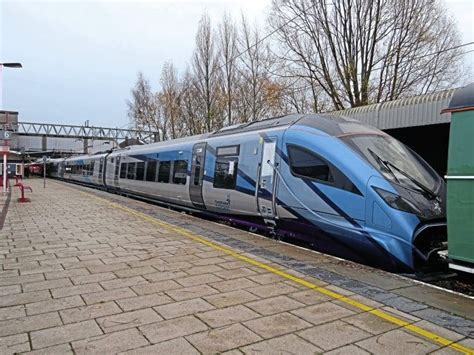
x,y
279,121
330,124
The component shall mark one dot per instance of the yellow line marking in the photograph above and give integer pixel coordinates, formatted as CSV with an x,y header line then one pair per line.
x,y
376,312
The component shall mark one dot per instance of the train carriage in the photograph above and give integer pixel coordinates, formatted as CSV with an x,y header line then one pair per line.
x,y
345,187
461,181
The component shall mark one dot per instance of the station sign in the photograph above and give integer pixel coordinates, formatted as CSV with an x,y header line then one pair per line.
x,y
6,135
4,148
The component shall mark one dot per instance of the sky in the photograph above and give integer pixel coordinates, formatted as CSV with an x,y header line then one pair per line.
x,y
81,58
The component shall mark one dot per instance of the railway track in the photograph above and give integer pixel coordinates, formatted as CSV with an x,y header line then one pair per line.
x,y
462,283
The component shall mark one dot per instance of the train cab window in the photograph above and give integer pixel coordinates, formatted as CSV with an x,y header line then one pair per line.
x,y
131,171
151,171
225,173
180,172
140,170
123,170
306,164
164,170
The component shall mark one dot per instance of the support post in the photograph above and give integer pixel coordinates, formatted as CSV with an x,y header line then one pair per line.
x,y
44,143
1,87
44,172
4,172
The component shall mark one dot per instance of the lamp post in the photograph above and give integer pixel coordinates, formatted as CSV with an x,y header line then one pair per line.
x,y
5,148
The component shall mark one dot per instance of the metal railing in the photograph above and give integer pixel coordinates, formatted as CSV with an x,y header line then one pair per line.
x,y
84,132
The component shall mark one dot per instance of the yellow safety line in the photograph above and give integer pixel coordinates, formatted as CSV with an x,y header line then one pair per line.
x,y
376,312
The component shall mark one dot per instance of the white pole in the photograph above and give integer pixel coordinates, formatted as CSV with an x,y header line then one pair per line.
x,y
4,172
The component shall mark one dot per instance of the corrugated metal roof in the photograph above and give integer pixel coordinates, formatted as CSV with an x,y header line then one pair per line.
x,y
409,112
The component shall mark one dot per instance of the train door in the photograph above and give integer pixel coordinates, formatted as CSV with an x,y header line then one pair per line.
x,y
117,171
104,172
61,169
197,173
101,172
266,180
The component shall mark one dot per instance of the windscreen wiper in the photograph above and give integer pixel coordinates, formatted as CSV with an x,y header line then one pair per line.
x,y
426,190
383,164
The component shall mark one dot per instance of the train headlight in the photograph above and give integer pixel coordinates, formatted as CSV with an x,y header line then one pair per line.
x,y
396,201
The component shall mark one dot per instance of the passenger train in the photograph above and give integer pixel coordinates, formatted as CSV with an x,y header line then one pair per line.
x,y
346,188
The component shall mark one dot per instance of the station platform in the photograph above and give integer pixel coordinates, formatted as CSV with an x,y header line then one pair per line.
x,y
85,271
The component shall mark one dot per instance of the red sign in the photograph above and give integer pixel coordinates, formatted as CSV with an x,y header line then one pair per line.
x,y
4,148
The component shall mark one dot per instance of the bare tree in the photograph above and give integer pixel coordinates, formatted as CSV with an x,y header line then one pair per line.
x,y
206,74
192,118
169,97
362,51
228,52
255,81
143,107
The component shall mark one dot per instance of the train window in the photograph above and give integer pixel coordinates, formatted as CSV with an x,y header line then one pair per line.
x,y
117,167
140,170
151,171
197,171
164,171
180,172
305,163
225,173
91,171
123,170
101,167
131,171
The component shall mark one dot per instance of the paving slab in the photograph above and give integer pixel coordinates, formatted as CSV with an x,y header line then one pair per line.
x,y
83,271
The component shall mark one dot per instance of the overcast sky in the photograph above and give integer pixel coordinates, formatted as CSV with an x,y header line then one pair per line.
x,y
81,58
